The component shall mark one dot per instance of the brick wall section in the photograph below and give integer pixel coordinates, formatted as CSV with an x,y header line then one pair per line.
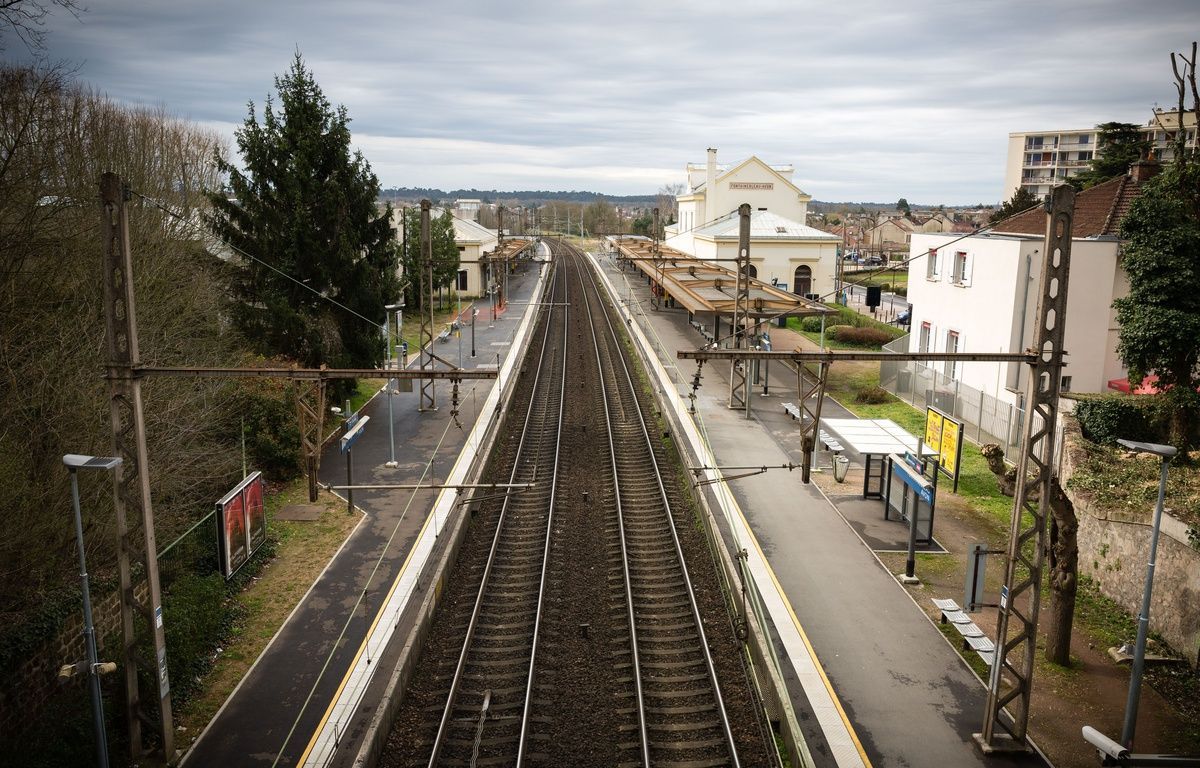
x,y
1114,548
22,697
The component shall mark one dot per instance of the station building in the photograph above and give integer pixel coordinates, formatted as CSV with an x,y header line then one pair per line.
x,y
784,251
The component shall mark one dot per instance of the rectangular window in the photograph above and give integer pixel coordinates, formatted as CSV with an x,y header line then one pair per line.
x,y
926,333
1066,384
462,279
951,346
958,275
931,265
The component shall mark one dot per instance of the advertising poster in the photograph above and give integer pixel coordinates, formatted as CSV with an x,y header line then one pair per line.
x,y
933,429
235,547
256,514
951,442
242,523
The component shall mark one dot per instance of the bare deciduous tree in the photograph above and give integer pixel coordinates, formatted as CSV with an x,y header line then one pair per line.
x,y
27,19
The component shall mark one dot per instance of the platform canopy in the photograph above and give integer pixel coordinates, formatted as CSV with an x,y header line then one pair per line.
x,y
508,248
701,286
875,436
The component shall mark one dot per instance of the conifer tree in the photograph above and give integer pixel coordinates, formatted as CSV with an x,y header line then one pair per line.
x,y
314,259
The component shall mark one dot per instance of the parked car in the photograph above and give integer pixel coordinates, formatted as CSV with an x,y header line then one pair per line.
x,y
850,256
873,261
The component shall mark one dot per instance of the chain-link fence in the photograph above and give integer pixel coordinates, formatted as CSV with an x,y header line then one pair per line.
x,y
985,418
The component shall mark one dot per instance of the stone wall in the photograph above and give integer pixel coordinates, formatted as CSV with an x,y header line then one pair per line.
x,y
1114,548
23,696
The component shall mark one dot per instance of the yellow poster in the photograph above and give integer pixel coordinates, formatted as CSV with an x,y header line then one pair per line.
x,y
949,447
933,429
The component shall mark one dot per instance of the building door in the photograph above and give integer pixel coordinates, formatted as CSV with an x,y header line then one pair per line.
x,y
802,280
462,279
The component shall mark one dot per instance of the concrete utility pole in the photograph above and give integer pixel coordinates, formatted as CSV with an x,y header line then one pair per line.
x,y
132,479
428,399
1011,681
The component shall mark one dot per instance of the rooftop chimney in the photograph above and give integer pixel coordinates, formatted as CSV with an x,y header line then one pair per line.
x,y
710,174
1144,170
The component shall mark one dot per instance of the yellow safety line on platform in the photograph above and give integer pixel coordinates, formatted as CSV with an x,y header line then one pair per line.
x,y
370,630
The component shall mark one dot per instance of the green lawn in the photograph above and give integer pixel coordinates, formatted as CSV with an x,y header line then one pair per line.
x,y
976,484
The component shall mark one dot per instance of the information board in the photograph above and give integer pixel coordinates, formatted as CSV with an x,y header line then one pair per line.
x,y
944,435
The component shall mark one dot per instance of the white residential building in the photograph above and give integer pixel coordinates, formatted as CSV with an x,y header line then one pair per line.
x,y
782,249
980,294
1040,159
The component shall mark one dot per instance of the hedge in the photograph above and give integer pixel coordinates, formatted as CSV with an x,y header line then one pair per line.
x,y
1131,417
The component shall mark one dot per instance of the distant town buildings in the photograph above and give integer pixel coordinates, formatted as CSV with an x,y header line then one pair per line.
x,y
1040,159
784,250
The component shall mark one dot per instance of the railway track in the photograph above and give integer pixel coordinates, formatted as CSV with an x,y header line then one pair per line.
x,y
573,632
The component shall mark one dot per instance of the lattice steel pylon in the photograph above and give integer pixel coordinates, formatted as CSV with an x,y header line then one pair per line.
x,y
656,293
739,380
1011,679
810,397
428,399
135,543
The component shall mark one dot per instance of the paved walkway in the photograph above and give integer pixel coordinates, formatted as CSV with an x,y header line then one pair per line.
x,y
272,715
906,695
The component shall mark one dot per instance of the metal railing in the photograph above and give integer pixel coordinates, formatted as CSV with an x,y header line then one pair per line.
x,y
986,419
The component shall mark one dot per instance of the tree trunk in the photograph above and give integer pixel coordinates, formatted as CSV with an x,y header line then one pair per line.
x,y
1064,580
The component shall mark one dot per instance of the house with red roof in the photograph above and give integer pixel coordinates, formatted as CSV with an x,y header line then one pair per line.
x,y
980,294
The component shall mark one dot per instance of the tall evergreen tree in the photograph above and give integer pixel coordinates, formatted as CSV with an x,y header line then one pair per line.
x,y
1118,146
323,255
1022,200
445,250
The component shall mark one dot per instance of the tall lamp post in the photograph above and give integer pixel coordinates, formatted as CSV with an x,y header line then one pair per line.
x,y
74,463
1165,453
398,308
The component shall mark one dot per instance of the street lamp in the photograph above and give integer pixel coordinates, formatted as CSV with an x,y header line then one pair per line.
x,y
1165,453
74,463
398,308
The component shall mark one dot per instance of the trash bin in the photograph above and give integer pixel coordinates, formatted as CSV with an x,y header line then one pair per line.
x,y
840,466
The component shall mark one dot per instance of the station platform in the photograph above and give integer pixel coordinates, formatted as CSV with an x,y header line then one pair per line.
x,y
873,682
286,710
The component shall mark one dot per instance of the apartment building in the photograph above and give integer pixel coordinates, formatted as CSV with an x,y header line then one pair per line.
x,y
1040,159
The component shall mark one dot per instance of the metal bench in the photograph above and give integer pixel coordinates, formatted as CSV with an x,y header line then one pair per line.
x,y
793,411
972,635
830,443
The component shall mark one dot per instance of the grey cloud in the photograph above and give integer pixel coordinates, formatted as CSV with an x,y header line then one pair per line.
x,y
870,100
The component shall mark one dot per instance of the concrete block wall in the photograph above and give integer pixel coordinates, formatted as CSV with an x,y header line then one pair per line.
x,y
1114,548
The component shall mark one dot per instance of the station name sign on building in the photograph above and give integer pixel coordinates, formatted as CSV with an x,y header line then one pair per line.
x,y
767,185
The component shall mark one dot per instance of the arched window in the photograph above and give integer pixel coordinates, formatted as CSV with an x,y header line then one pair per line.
x,y
752,271
802,280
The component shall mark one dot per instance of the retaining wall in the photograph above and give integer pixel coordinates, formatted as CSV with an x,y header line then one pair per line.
x,y
1114,548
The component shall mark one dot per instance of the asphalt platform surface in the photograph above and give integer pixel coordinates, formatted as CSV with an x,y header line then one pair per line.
x,y
274,712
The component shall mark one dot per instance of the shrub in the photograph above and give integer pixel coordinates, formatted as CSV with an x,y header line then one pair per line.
x,y
865,337
872,396
1104,419
269,421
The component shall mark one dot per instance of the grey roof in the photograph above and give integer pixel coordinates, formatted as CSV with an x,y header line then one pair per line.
x,y
764,225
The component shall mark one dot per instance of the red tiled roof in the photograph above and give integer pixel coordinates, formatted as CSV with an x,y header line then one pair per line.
x,y
1098,211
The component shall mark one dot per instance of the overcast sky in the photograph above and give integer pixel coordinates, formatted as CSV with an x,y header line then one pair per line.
x,y
870,101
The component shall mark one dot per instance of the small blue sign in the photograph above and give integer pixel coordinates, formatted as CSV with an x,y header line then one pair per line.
x,y
353,433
